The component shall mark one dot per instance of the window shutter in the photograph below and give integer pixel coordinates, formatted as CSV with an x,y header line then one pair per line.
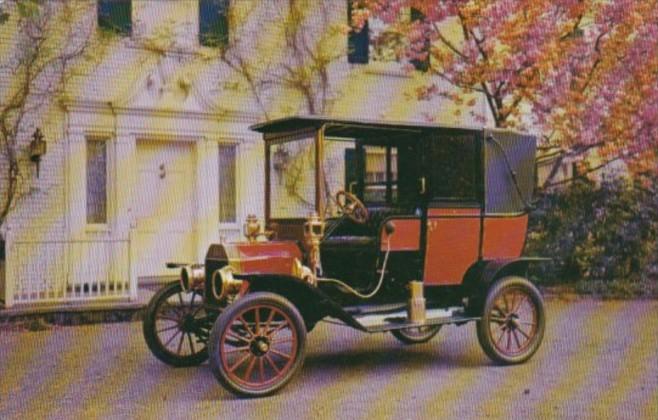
x,y
213,23
421,65
115,16
358,43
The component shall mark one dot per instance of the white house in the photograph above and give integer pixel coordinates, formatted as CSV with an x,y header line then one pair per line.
x,y
149,157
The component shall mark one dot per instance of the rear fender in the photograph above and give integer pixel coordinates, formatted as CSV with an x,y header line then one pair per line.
x,y
480,277
312,303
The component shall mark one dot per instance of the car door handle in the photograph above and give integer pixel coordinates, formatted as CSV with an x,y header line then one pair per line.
x,y
351,187
422,185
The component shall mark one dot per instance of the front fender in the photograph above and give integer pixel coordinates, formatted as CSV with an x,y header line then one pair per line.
x,y
312,303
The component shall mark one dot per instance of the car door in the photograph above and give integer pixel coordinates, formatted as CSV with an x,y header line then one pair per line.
x,y
453,196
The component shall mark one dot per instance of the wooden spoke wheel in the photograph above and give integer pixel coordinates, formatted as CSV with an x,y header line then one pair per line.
x,y
176,326
416,335
513,321
257,344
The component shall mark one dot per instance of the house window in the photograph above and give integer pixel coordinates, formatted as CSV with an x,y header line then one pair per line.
x,y
213,23
227,178
358,43
96,181
115,16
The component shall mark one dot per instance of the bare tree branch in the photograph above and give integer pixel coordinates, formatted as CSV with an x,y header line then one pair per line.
x,y
50,39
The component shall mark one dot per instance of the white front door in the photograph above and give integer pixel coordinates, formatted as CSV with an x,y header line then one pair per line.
x,y
165,207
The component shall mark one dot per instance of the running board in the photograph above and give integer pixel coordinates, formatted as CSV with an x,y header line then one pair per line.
x,y
386,308
398,320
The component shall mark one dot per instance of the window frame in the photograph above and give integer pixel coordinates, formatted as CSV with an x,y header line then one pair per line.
x,y
215,25
98,225
236,213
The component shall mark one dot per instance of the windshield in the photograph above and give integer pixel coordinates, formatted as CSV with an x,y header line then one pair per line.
x,y
363,168
292,178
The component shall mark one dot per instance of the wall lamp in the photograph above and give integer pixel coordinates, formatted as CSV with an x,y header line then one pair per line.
x,y
37,148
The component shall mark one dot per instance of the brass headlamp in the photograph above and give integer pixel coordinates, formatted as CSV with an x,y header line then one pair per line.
x,y
227,284
192,276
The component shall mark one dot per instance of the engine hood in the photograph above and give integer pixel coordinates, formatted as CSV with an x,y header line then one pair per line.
x,y
276,257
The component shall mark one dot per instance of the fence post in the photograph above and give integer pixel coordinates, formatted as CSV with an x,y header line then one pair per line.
x,y
131,267
10,278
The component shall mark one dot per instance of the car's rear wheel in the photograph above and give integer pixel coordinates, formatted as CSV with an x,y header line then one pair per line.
x,y
257,344
513,321
176,326
416,335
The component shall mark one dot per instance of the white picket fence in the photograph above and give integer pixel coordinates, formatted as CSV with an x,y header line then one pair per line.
x,y
68,271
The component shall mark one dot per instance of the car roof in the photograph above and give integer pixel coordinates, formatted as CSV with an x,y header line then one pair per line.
x,y
362,128
308,122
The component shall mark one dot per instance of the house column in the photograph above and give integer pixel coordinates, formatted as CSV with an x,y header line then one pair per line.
x,y
206,196
76,166
124,184
123,192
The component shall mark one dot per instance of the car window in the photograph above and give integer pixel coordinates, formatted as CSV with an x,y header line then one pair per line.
x,y
452,167
380,184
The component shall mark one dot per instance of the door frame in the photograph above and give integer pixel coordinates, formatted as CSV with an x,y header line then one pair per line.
x,y
460,206
200,181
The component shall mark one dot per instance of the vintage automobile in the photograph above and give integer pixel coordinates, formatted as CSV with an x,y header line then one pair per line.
x,y
373,225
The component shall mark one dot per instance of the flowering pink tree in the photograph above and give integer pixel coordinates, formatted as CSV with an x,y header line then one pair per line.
x,y
585,72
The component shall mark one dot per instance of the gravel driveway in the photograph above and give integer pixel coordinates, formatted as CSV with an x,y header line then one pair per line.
x,y
598,360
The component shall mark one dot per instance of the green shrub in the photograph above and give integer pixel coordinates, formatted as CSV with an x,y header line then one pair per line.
x,y
597,235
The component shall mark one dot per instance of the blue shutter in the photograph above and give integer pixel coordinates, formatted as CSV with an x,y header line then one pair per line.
x,y
115,16
358,43
213,23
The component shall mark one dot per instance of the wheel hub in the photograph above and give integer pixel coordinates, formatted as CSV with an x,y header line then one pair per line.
x,y
260,346
187,323
511,322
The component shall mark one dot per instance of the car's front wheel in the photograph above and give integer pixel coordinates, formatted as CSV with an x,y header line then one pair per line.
x,y
257,344
176,326
513,321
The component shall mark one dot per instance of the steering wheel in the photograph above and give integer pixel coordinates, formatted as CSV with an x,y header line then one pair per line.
x,y
352,207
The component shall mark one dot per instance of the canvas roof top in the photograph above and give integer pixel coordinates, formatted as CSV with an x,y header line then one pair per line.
x,y
344,127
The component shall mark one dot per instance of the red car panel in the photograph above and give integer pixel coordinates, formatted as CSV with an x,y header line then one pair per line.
x,y
453,241
263,257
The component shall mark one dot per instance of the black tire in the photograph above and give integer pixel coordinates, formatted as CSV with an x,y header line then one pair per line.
x,y
240,332
416,335
178,318
514,307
